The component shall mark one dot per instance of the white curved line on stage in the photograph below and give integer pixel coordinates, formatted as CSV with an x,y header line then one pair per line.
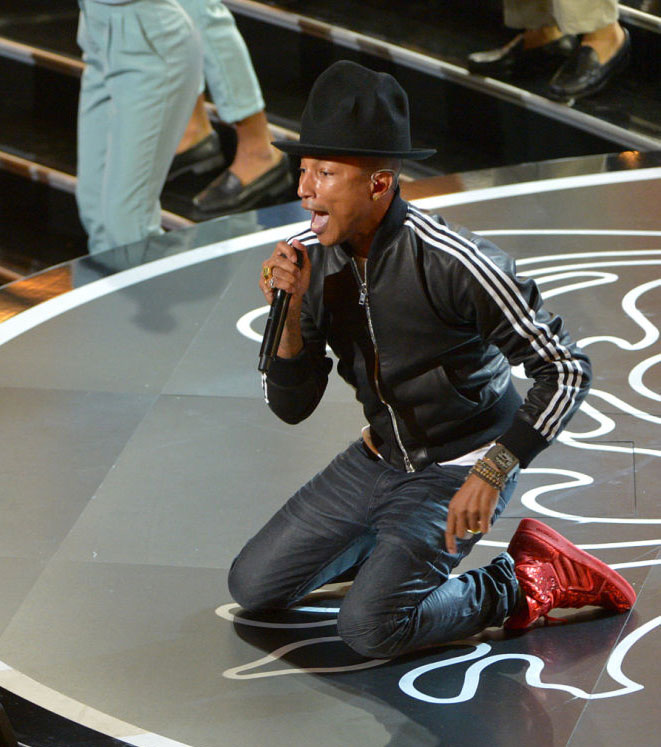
x,y
225,612
407,682
592,545
599,278
30,318
589,255
636,377
569,232
238,673
538,187
565,268
52,700
631,310
244,324
620,405
42,312
533,672
635,564
579,479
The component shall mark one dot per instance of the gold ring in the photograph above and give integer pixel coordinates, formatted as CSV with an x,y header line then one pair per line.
x,y
472,531
267,272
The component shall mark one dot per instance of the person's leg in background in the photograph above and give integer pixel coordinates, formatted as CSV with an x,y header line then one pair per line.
x,y
548,46
531,16
534,53
595,20
258,169
149,60
94,111
199,149
604,50
153,100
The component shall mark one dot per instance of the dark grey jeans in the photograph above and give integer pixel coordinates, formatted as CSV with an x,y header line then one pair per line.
x,y
360,509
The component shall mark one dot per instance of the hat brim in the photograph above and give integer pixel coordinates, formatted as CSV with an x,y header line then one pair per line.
x,y
296,148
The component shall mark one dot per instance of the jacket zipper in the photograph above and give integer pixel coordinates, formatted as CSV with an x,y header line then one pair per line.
x,y
363,300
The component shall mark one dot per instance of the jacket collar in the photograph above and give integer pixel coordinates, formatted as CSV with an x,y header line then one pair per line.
x,y
392,222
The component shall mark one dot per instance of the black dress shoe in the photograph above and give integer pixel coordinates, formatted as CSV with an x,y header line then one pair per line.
x,y
582,74
226,194
513,60
200,158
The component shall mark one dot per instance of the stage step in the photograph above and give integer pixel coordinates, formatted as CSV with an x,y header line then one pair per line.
x,y
433,40
474,122
426,45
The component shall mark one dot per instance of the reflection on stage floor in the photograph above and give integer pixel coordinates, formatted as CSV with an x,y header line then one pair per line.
x,y
138,456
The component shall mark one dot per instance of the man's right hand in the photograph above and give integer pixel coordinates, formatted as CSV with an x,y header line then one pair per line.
x,y
287,275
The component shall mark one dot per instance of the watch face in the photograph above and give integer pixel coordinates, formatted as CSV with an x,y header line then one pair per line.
x,y
503,461
502,458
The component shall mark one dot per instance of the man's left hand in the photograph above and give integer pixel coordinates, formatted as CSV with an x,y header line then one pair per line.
x,y
470,511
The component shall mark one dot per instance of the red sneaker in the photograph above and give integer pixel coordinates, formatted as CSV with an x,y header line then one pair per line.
x,y
552,572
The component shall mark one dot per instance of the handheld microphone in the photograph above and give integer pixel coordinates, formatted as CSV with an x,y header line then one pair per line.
x,y
275,324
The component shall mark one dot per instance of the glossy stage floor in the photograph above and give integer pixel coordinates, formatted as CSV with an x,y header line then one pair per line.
x,y
138,456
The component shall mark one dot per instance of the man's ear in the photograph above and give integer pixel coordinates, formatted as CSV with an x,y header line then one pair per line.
x,y
381,183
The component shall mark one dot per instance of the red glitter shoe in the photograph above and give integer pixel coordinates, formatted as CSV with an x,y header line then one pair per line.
x,y
552,572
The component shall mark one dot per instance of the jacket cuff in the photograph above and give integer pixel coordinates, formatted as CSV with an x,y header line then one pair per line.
x,y
523,441
290,372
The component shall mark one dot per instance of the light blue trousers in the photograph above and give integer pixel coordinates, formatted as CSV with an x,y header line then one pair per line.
x,y
142,75
228,70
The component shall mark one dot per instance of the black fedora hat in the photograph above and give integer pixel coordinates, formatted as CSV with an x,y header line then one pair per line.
x,y
354,111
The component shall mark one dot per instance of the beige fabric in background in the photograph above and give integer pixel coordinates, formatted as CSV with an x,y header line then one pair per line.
x,y
571,16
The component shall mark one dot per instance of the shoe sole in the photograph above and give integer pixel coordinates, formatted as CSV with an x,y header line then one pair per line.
x,y
556,541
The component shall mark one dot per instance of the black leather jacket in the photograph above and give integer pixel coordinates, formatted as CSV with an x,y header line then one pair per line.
x,y
427,340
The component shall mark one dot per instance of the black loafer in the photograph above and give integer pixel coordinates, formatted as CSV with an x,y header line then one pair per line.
x,y
583,75
202,157
226,194
513,60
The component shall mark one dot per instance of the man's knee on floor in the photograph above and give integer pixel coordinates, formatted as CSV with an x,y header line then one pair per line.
x,y
248,590
372,636
242,587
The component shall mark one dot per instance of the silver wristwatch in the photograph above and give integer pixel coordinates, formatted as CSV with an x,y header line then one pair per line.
x,y
502,458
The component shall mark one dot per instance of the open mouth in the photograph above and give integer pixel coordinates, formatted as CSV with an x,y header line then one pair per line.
x,y
319,221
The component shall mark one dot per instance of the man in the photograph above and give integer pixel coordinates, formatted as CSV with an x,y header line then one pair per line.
x,y
425,322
